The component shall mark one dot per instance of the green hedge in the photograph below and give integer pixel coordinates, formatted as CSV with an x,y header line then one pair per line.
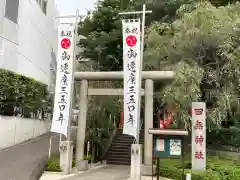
x,y
224,136
216,170
23,95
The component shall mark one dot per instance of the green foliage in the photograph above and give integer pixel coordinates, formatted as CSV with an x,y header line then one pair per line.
x,y
99,107
202,47
165,11
218,3
224,137
87,157
53,164
22,95
191,78
216,169
103,29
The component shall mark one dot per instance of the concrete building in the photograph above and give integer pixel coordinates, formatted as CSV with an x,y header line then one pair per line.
x,y
28,38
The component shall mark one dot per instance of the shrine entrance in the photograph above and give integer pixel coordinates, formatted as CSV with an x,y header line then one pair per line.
x,y
122,118
147,76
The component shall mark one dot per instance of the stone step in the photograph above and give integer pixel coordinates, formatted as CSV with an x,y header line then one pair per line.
x,y
119,152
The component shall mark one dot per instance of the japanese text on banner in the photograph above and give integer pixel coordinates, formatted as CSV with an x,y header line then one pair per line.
x,y
131,58
63,87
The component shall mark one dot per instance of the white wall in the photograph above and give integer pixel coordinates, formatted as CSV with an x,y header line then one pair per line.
x,y
27,47
14,130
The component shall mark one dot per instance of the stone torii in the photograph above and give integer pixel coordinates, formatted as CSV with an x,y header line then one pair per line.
x,y
85,91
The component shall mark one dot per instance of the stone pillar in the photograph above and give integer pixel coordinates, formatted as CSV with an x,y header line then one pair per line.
x,y
66,154
82,118
148,122
136,161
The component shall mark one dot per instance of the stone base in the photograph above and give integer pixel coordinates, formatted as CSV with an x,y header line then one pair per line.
x,y
136,161
82,165
66,154
147,170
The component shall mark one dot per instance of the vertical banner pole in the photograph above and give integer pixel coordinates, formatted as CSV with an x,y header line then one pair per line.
x,y
140,72
143,33
132,66
132,59
62,116
64,78
73,70
133,62
50,147
88,148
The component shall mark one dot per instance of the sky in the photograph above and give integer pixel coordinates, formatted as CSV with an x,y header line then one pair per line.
x,y
68,7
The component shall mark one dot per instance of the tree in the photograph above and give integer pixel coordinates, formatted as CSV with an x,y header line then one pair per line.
x,y
218,3
188,39
103,30
203,48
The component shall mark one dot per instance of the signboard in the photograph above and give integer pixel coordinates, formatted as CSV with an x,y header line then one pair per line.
x,y
160,146
131,63
199,136
167,146
175,147
64,78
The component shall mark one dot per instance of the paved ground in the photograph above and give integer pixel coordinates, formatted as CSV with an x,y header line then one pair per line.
x,y
108,172
17,163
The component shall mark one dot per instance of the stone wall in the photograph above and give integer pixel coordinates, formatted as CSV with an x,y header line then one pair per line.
x,y
15,130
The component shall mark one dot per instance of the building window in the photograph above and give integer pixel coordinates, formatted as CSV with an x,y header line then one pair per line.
x,y
44,8
11,10
43,5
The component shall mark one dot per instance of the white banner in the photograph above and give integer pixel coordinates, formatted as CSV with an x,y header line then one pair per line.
x,y
64,79
199,136
131,68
